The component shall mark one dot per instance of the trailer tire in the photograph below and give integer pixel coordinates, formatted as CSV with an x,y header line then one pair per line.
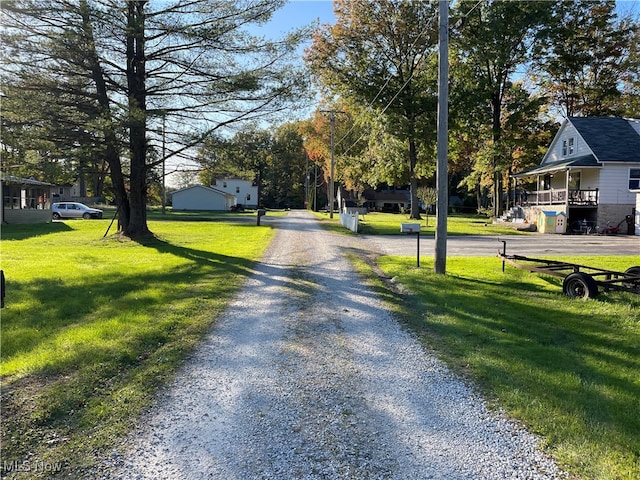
x,y
633,283
580,285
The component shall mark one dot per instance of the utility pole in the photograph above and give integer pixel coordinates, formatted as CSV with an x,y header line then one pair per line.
x,y
306,180
442,204
333,162
315,187
332,119
164,160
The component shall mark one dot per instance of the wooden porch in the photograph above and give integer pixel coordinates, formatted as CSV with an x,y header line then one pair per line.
x,y
571,197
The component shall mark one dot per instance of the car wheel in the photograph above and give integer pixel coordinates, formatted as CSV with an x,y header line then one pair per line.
x,y
580,285
86,216
56,216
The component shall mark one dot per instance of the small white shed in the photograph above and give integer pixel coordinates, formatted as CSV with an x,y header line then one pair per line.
x,y
199,197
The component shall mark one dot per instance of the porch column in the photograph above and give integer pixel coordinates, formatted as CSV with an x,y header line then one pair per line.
x,y
566,186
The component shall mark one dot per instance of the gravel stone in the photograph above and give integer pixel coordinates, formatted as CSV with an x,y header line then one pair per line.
x,y
307,376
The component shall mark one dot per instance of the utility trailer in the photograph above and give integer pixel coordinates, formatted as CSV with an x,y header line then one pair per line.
x,y
580,281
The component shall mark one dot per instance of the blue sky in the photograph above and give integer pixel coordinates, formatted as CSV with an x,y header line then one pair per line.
x,y
298,13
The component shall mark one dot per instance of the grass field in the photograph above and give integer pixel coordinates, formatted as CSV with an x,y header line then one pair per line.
x,y
376,223
93,327
568,369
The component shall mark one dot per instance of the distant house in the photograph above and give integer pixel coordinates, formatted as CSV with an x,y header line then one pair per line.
x,y
590,172
387,200
245,191
25,200
72,193
199,197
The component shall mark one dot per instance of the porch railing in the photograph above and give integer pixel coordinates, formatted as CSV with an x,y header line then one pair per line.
x,y
560,196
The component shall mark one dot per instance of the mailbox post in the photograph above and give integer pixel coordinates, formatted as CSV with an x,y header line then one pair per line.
x,y
410,228
261,212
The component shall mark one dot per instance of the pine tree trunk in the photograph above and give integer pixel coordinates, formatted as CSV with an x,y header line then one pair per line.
x,y
137,224
112,151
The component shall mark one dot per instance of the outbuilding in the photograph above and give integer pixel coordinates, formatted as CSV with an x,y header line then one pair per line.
x,y
199,197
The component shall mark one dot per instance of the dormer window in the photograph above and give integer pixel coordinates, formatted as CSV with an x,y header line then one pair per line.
x,y
568,147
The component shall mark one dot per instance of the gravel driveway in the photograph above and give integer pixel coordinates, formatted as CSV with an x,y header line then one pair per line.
x,y
307,376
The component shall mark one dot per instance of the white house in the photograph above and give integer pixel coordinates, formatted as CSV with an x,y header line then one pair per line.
x,y
245,191
199,197
590,172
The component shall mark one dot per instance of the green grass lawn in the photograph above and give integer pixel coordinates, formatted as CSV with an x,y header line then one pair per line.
x,y
92,326
376,223
568,369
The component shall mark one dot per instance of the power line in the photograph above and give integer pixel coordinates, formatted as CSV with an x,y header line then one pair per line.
x,y
367,107
388,105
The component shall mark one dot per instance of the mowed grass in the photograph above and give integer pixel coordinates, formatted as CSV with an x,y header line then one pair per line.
x,y
92,326
568,369
376,223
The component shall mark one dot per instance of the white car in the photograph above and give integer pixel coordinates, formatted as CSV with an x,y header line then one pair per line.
x,y
74,210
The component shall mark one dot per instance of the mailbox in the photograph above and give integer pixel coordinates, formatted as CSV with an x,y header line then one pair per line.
x,y
409,228
261,212
413,228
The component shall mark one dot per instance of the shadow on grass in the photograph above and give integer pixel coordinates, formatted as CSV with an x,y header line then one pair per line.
x,y
22,232
569,372
116,337
61,306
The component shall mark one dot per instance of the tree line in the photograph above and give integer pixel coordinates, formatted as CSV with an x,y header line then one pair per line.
x,y
109,90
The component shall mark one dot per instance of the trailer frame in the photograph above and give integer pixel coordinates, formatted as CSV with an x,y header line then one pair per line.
x,y
580,281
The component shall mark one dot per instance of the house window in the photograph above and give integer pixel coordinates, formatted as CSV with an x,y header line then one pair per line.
x,y
568,147
237,189
248,197
224,184
634,179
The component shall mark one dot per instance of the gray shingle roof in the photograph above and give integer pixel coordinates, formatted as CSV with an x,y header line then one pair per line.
x,y
610,138
584,162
